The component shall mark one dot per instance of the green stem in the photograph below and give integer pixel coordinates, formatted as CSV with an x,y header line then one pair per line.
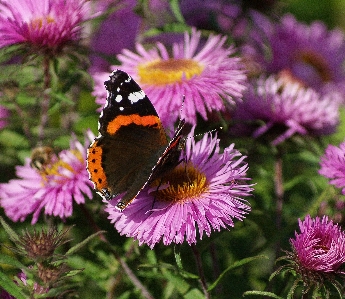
x,y
46,98
201,271
279,192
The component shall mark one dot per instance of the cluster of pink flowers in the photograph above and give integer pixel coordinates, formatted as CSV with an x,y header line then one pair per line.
x,y
300,89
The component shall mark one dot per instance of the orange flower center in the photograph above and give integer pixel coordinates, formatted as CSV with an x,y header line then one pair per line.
x,y
37,23
317,62
185,183
163,72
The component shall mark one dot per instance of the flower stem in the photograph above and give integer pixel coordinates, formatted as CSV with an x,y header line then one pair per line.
x,y
279,192
201,271
216,268
46,97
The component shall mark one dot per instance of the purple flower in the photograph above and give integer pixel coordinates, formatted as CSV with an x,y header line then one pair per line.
x,y
279,103
5,295
319,247
53,185
122,26
333,165
195,198
44,25
317,257
312,54
207,76
211,15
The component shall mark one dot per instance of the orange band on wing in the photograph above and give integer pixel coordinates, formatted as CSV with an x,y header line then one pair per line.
x,y
94,166
125,120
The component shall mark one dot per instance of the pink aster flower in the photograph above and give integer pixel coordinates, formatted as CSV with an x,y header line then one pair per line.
x,y
333,165
320,246
46,25
317,257
51,182
285,104
312,54
208,76
195,198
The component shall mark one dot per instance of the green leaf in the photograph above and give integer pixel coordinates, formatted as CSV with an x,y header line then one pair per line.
x,y
180,284
23,99
175,8
293,288
12,139
83,243
161,266
8,260
170,27
260,293
12,234
10,287
178,258
235,265
56,291
338,287
194,294
61,97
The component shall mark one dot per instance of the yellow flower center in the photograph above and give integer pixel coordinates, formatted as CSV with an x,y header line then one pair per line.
x,y
37,23
163,72
54,167
185,183
317,62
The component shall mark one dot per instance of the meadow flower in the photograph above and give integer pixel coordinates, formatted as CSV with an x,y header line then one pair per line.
x,y
198,196
54,185
43,25
333,165
122,25
317,257
286,108
312,54
211,15
320,245
208,76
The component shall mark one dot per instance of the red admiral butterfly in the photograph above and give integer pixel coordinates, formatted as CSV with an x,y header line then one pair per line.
x,y
132,149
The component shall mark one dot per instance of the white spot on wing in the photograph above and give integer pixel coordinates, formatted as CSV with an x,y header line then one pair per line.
x,y
118,98
136,96
121,108
107,102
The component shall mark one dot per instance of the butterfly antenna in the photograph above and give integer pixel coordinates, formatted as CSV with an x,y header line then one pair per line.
x,y
202,134
182,106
